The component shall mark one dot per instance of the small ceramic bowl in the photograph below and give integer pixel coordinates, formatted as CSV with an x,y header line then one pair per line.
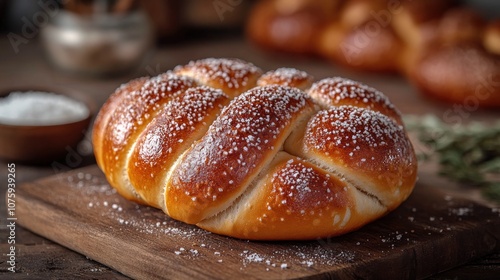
x,y
43,144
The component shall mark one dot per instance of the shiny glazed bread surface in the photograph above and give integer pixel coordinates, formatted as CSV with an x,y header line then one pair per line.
x,y
253,155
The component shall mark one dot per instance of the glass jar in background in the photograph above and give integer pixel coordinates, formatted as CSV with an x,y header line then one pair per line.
x,y
98,43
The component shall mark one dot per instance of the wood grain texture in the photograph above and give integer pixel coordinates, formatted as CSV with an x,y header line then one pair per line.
x,y
429,233
51,261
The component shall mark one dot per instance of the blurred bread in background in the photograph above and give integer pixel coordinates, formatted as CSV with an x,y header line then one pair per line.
x,y
446,49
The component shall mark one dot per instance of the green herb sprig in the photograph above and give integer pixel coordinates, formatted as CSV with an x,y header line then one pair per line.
x,y
468,154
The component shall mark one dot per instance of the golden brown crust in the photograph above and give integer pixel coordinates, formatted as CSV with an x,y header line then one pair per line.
x,y
319,205
339,91
218,168
103,116
289,25
329,40
182,121
266,164
369,47
233,76
354,13
366,147
492,37
289,77
438,67
128,118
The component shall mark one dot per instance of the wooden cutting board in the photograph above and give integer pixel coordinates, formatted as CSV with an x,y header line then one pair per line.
x,y
431,232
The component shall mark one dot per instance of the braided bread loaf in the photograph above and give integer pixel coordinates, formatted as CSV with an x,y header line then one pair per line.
x,y
218,144
447,51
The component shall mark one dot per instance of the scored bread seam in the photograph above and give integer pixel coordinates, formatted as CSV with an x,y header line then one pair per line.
x,y
304,116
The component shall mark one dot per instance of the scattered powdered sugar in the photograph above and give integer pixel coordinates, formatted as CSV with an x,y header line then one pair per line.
x,y
310,255
461,211
40,108
195,244
124,216
159,86
179,118
253,257
238,140
397,238
257,128
285,77
233,73
277,106
90,185
362,125
142,102
335,90
358,132
302,189
188,253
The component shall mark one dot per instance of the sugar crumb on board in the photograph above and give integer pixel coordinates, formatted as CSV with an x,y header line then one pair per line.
x,y
296,255
461,211
122,215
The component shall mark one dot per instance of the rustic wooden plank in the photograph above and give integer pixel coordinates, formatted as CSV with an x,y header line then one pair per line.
x,y
486,269
45,261
433,231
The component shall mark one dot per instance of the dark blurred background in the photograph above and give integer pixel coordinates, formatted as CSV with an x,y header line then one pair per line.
x,y
107,36
173,20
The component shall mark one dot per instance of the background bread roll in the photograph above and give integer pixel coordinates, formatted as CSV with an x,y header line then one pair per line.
x,y
392,36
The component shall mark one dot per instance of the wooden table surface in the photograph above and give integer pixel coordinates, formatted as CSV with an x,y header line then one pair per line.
x,y
39,258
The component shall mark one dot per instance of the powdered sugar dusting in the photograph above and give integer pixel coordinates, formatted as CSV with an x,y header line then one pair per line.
x,y
233,73
122,217
180,118
296,255
304,190
138,106
286,77
334,90
341,91
178,241
353,130
242,137
180,122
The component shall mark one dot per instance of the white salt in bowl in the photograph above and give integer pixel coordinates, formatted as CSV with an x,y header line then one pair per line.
x,y
37,128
